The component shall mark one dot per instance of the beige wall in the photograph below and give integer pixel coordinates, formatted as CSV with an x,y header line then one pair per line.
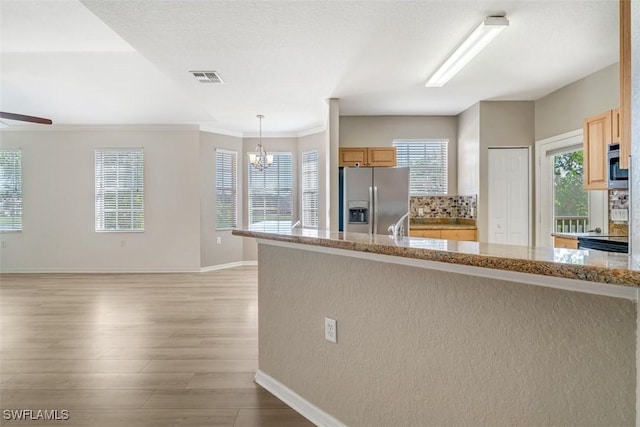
x,y
502,124
469,151
419,347
59,202
229,250
380,131
564,110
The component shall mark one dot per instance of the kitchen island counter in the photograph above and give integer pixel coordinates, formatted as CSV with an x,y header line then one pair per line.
x,y
455,333
607,272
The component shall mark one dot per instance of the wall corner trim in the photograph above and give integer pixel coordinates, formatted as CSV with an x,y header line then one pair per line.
x,y
297,402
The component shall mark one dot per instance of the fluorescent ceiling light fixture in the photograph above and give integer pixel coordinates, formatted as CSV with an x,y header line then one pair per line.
x,y
477,40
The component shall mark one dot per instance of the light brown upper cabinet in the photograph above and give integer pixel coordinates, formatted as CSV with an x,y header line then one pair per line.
x,y
615,126
352,155
625,83
368,156
596,136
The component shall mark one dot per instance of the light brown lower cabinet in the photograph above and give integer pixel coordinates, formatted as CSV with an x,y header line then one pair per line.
x,y
465,234
563,242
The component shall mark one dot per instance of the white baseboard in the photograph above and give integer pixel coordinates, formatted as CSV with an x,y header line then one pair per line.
x,y
297,402
228,265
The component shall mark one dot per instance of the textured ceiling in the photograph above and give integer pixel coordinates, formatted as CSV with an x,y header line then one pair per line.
x,y
127,62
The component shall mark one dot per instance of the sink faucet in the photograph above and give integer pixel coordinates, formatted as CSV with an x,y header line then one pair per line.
x,y
397,229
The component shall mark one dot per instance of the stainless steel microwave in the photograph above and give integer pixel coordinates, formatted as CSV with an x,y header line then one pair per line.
x,y
617,178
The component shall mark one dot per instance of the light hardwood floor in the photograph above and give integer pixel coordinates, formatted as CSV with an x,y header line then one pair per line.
x,y
135,349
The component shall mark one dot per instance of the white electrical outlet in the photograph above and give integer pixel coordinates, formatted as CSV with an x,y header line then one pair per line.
x,y
330,330
218,240
420,211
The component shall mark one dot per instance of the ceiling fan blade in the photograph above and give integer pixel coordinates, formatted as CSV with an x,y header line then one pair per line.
x,y
23,118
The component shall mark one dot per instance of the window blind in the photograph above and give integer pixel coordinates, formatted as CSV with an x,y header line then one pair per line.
x,y
226,189
10,190
428,162
310,189
119,189
270,195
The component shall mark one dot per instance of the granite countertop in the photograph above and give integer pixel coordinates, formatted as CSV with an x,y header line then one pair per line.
x,y
581,264
442,224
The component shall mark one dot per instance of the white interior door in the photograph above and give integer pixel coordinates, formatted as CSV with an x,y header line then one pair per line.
x,y
508,196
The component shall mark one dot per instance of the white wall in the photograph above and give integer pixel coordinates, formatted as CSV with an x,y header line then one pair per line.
x,y
229,250
380,131
59,202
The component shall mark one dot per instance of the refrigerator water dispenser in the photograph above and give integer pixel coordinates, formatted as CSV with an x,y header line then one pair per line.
x,y
358,212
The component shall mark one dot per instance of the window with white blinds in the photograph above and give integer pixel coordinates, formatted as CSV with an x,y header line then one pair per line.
x,y
119,189
226,189
310,189
10,190
428,162
270,195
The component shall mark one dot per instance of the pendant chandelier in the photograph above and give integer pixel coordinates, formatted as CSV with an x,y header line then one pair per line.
x,y
260,159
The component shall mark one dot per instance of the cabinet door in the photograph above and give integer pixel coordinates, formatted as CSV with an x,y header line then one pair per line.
x,y
596,135
563,242
430,234
458,235
381,156
352,155
615,125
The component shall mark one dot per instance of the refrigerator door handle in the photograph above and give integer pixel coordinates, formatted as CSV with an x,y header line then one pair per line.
x,y
371,207
375,209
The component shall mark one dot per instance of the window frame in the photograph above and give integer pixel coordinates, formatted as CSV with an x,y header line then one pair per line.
x,y
417,170
232,188
16,208
310,192
100,221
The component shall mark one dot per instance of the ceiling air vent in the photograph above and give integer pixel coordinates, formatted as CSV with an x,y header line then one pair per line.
x,y
207,76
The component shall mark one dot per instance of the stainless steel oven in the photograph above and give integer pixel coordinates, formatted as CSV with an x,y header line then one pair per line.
x,y
616,177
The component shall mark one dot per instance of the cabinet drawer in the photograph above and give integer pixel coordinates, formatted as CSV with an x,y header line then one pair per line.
x,y
563,242
430,234
458,235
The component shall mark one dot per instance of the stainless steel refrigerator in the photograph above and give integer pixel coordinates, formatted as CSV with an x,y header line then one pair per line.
x,y
374,199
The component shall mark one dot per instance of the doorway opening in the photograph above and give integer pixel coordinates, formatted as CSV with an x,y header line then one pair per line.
x,y
562,204
570,199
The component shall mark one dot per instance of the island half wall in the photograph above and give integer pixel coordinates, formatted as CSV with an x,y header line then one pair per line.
x,y
417,346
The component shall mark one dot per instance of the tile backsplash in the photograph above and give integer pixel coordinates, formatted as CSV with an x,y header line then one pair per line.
x,y
618,199
444,206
